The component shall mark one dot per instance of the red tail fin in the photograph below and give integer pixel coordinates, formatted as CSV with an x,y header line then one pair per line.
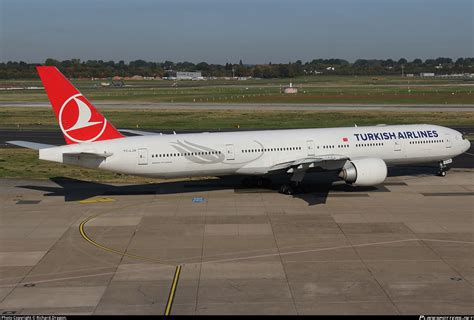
x,y
78,119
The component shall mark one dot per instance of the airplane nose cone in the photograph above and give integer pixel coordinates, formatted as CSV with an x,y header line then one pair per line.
x,y
467,145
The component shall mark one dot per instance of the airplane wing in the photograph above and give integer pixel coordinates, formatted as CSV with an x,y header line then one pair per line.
x,y
139,132
298,168
31,145
89,154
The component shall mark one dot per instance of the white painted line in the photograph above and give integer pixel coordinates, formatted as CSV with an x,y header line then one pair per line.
x,y
153,266
18,259
56,273
332,248
77,277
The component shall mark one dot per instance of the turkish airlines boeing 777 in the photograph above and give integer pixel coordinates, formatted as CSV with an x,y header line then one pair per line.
x,y
359,154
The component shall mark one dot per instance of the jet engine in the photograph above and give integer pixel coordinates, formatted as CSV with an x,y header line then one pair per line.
x,y
364,172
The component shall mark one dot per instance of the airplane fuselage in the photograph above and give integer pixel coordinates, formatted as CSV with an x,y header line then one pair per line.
x,y
256,152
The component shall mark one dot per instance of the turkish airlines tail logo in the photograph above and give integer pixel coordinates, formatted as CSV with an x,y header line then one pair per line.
x,y
84,118
79,121
78,118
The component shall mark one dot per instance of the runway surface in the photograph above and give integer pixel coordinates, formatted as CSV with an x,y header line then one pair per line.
x,y
262,106
56,138
72,247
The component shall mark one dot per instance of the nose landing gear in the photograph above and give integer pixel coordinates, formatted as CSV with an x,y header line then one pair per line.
x,y
443,168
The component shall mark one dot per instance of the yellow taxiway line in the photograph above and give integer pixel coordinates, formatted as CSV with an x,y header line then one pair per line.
x,y
177,272
111,250
169,304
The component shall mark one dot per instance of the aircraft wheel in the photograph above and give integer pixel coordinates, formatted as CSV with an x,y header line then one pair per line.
x,y
282,189
286,189
443,169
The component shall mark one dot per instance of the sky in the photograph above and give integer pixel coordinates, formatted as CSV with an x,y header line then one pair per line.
x,y
219,31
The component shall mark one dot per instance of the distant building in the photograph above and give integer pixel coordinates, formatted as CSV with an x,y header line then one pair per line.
x,y
427,74
455,75
183,75
290,89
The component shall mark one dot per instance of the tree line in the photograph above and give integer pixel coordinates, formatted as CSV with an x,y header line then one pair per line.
x,y
75,68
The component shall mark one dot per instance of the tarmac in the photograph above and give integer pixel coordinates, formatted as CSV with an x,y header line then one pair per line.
x,y
212,247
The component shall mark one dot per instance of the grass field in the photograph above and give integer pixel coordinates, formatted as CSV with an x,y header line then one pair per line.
x,y
324,89
43,118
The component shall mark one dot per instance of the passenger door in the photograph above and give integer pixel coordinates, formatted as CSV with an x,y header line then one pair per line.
x,y
310,145
229,152
397,146
142,156
447,140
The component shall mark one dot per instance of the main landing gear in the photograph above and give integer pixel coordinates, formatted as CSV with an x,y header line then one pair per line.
x,y
286,189
263,182
291,188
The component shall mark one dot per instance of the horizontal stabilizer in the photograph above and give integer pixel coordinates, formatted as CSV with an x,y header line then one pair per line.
x,y
138,132
89,154
31,145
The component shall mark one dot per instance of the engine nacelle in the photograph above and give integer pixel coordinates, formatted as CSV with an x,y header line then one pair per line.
x,y
364,172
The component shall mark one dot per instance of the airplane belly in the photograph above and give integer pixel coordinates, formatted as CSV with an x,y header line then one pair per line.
x,y
197,169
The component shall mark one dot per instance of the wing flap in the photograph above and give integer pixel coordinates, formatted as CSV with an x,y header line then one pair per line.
x,y
306,163
299,167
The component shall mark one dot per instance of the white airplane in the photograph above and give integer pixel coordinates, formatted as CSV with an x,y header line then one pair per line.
x,y
360,155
